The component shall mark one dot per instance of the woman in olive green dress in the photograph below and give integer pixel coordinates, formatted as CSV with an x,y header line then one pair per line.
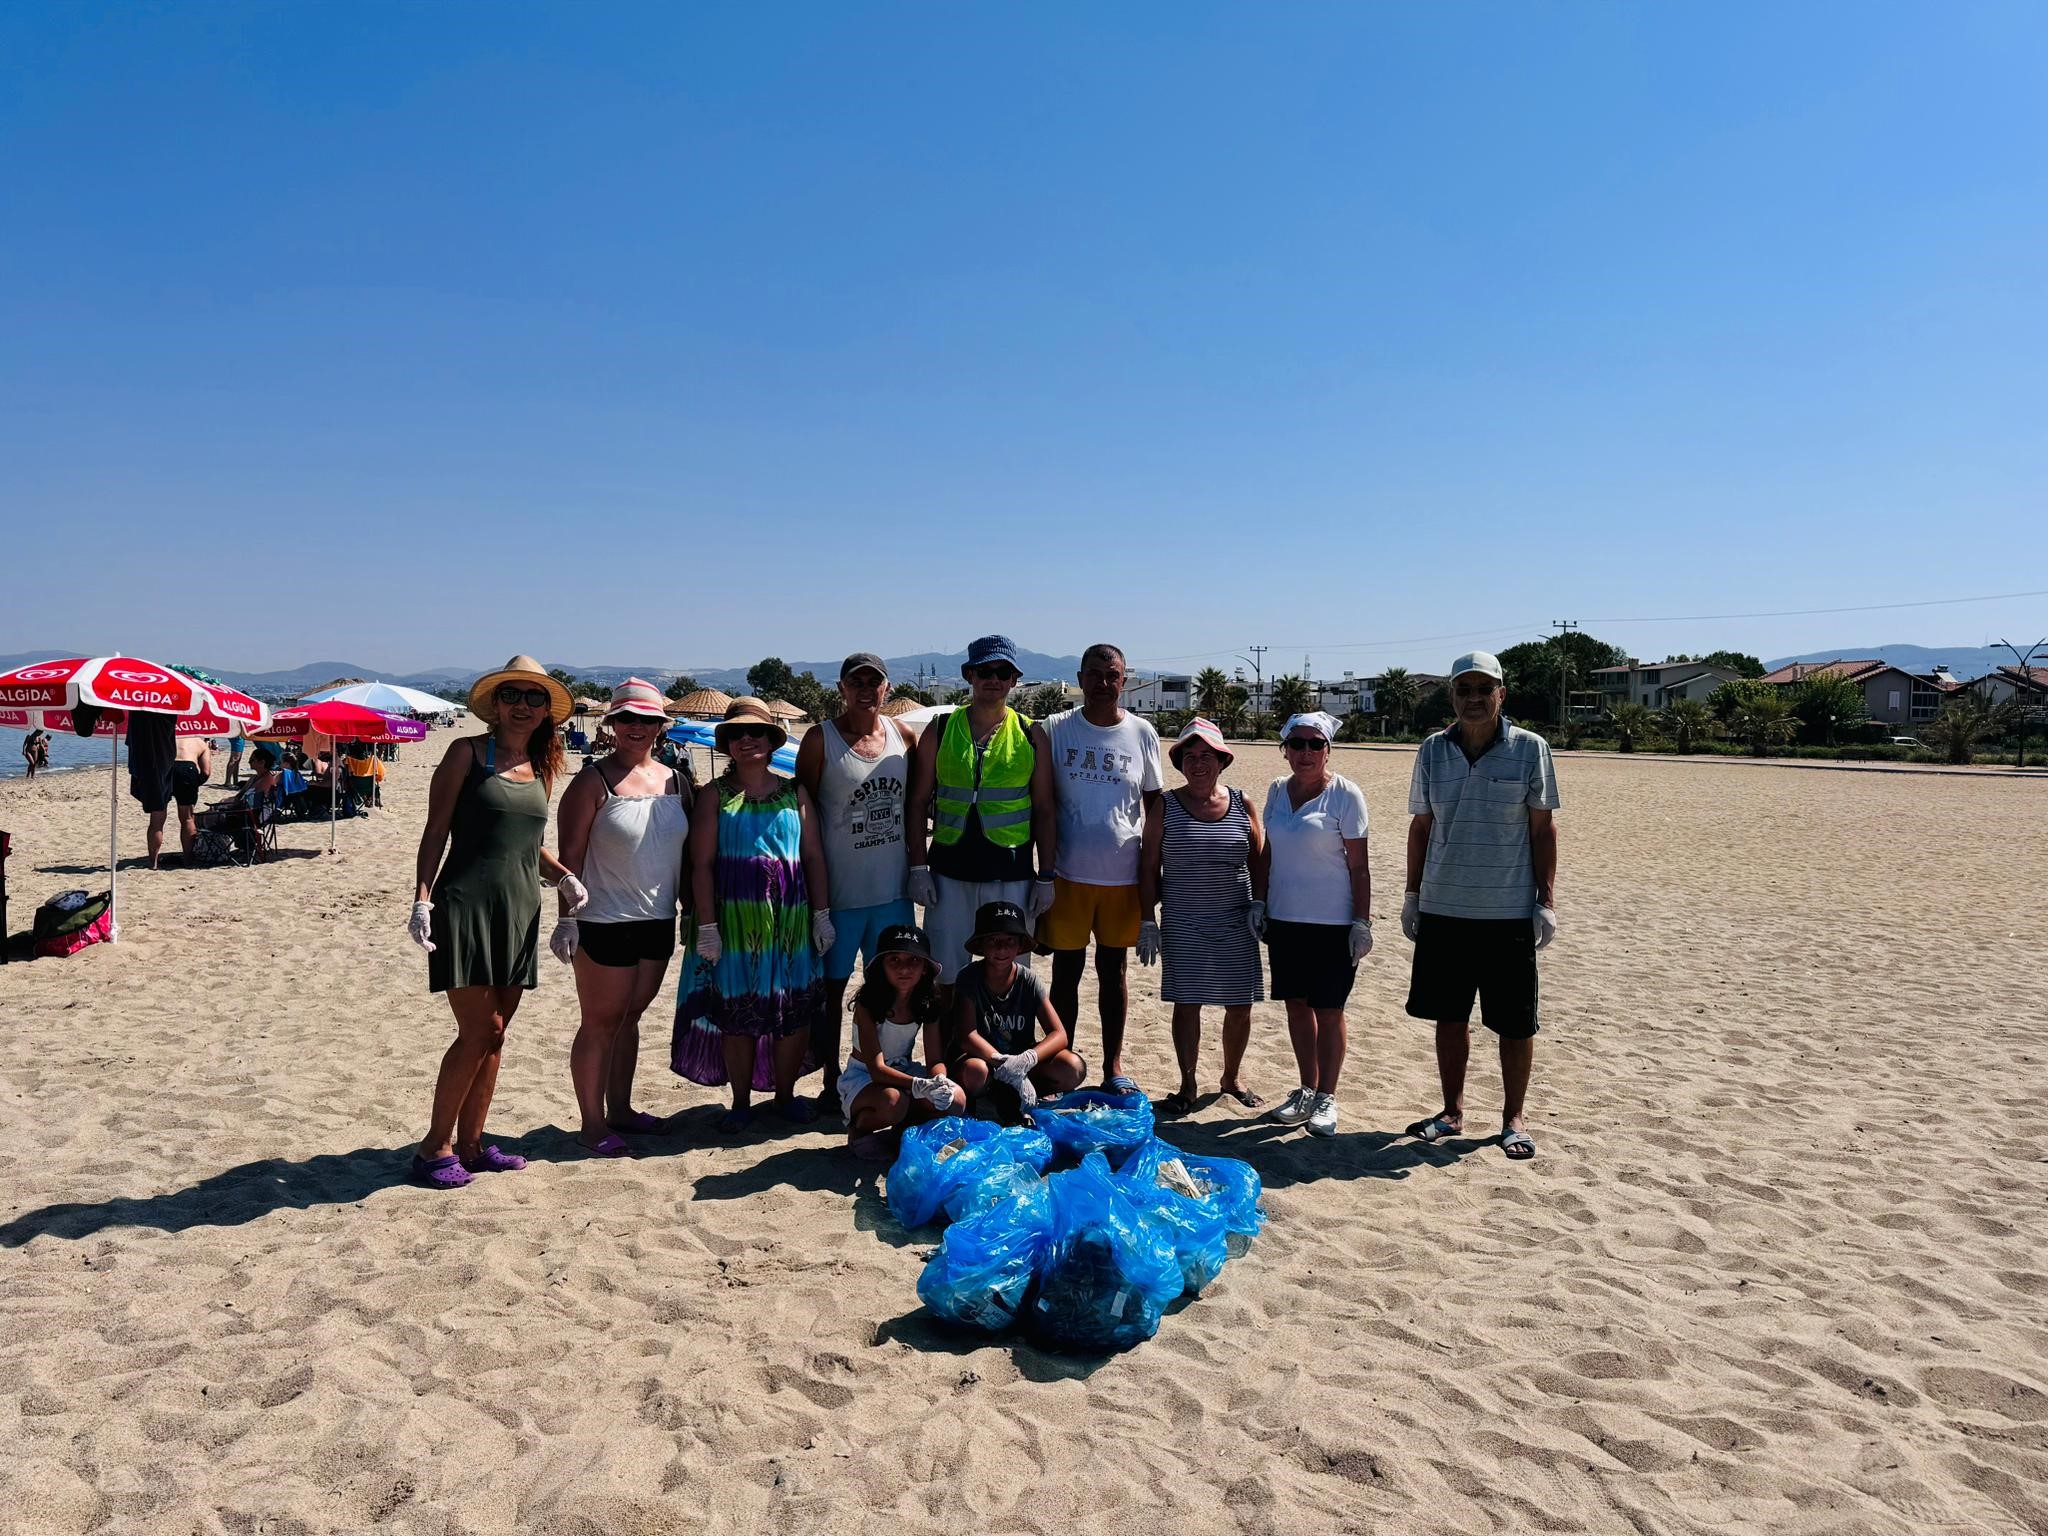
x,y
478,914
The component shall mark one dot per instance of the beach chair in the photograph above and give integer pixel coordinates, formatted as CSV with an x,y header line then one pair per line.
x,y
237,833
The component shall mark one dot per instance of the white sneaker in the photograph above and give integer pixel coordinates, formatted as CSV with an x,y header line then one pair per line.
x,y
1295,1108
1322,1120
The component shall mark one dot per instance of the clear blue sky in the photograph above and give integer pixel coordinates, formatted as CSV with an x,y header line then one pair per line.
x,y
416,334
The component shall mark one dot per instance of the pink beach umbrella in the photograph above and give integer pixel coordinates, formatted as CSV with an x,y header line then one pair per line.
x,y
342,722
49,690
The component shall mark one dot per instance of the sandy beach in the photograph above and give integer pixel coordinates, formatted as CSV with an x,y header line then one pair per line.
x,y
1781,1266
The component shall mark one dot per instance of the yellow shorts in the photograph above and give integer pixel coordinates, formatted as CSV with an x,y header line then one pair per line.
x,y
1109,912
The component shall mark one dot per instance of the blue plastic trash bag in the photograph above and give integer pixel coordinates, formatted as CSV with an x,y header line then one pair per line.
x,y
1109,1270
918,1180
982,1275
984,1173
1090,1121
1235,1187
1156,1180
944,1162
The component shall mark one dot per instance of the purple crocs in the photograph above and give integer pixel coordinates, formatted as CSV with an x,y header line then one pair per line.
x,y
442,1173
491,1160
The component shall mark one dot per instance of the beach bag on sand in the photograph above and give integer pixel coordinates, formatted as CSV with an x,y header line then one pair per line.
x,y
68,923
1157,1181
982,1275
1110,1269
1087,1121
943,1160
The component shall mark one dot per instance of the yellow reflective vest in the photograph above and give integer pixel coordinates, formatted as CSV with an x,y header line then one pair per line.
x,y
1002,793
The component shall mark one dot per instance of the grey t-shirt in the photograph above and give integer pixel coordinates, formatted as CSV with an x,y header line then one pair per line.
x,y
1478,862
1009,1022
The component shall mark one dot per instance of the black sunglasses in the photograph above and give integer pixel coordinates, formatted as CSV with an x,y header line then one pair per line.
x,y
1475,693
630,719
1305,744
997,672
511,693
751,732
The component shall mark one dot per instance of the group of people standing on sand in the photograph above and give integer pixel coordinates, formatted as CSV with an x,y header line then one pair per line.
x,y
1015,838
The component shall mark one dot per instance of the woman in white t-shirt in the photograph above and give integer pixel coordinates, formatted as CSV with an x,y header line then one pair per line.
x,y
1316,917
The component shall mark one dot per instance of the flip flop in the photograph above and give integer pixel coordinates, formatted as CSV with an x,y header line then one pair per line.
x,y
1435,1128
1246,1097
606,1146
640,1123
1175,1103
1520,1146
870,1148
733,1121
442,1173
1121,1084
494,1160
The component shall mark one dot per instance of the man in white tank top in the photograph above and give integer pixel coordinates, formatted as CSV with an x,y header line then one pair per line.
x,y
857,769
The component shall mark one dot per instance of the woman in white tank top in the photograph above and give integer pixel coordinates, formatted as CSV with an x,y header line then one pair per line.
x,y
623,829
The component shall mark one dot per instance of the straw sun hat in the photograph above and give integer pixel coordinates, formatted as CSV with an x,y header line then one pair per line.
x,y
483,693
749,710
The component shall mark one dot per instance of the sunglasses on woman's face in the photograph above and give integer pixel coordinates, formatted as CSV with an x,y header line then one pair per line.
x,y
533,698
1305,744
634,722
750,732
997,674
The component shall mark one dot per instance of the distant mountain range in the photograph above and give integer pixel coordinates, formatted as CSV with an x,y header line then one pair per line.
x,y
453,682
1965,661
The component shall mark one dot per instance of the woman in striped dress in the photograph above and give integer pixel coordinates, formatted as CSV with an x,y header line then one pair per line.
x,y
754,985
1201,873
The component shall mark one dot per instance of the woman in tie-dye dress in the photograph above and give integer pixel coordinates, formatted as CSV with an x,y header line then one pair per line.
x,y
754,983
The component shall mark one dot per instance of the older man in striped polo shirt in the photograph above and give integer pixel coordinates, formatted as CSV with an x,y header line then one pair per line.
x,y
1482,868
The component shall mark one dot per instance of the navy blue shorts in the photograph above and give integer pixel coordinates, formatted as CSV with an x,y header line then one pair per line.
x,y
1460,960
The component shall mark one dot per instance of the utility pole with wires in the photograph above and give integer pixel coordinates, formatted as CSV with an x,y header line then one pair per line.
x,y
1257,659
1564,671
2021,684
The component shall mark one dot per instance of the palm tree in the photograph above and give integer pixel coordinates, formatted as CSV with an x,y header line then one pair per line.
x,y
1171,722
1396,696
1291,695
1631,723
1967,720
1686,722
1211,691
1044,701
1827,701
1764,721
1234,717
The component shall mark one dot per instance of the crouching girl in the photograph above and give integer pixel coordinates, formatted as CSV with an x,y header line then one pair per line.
x,y
897,1022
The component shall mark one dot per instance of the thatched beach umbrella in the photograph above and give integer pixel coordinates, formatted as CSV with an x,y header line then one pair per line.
x,y
705,704
901,706
782,709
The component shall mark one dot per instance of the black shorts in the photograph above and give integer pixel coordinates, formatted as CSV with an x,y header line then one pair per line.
x,y
1458,959
185,782
627,944
151,791
1311,962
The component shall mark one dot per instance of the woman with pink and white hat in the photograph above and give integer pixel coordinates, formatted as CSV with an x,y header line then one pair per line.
x,y
624,828
1201,872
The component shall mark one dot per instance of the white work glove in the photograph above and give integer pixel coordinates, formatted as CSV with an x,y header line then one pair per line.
x,y
1039,901
709,945
1411,916
574,896
1148,942
1255,919
935,1091
421,924
562,941
1015,1070
1361,938
923,889
1546,925
823,934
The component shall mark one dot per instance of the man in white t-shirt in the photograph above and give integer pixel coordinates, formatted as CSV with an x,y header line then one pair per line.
x,y
1099,765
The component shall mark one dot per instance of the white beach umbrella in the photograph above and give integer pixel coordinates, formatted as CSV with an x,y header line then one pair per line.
x,y
387,698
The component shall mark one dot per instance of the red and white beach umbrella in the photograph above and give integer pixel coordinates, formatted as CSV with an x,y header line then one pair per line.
x,y
47,691
342,722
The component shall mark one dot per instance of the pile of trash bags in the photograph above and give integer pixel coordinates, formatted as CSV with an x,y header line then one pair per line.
x,y
1084,1258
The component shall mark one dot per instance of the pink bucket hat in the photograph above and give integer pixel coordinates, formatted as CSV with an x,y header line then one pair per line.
x,y
1205,732
637,696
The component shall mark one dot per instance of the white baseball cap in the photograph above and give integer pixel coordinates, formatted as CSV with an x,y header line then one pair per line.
x,y
1483,662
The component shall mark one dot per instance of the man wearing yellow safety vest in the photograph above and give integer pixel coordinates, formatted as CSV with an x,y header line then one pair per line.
x,y
973,770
